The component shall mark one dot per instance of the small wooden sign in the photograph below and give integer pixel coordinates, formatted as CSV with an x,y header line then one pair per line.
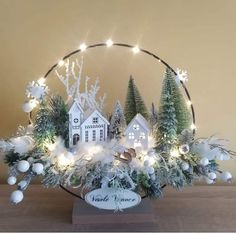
x,y
112,199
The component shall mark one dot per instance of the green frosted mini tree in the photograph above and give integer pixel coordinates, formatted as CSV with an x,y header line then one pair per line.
x,y
181,110
134,103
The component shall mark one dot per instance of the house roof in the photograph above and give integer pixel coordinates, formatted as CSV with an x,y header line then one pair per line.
x,y
141,120
75,102
88,115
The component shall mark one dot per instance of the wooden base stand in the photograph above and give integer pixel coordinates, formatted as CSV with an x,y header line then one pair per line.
x,y
83,213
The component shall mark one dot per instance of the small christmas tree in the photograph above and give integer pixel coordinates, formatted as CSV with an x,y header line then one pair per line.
x,y
134,103
44,129
181,110
153,119
167,123
117,122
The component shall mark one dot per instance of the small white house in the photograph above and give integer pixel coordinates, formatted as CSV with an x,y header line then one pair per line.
x,y
137,132
86,128
94,127
76,114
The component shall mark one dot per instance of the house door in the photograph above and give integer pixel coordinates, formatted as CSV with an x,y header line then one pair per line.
x,y
75,139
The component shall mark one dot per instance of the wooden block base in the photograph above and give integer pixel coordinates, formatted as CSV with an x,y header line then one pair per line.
x,y
84,213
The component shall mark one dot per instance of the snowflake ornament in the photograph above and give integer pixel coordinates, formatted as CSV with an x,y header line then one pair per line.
x,y
181,76
36,90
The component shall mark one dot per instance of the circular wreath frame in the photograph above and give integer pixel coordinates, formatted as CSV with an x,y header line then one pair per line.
x,y
156,57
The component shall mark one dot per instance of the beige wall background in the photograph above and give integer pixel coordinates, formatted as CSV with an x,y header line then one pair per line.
x,y
196,35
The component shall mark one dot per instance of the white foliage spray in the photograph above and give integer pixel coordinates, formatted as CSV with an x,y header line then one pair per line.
x,y
72,82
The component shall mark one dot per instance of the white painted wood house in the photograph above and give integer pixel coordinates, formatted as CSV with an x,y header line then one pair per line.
x,y
86,127
137,132
94,127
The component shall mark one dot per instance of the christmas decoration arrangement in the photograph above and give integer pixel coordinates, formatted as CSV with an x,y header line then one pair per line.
x,y
112,160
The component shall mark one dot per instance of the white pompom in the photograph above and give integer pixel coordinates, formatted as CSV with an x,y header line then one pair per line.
x,y
209,181
150,170
38,168
226,176
23,184
22,144
212,176
11,180
204,161
220,157
184,166
28,106
17,196
23,166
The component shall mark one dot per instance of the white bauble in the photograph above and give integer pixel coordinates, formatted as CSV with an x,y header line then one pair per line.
x,y
209,181
38,168
226,176
150,170
23,166
22,184
28,106
184,149
11,180
212,176
204,162
184,166
17,196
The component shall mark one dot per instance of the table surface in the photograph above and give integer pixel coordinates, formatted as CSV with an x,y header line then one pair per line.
x,y
199,208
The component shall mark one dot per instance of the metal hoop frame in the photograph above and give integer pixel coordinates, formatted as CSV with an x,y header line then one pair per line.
x,y
127,46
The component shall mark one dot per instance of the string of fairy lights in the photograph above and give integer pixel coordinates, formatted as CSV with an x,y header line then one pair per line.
x,y
136,50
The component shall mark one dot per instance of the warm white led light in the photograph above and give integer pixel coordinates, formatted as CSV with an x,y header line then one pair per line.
x,y
174,153
61,63
136,49
83,47
41,80
189,103
109,43
193,126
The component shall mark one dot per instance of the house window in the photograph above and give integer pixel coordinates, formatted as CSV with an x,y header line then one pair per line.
x,y
95,120
131,135
136,127
101,135
94,135
86,136
142,135
76,120
75,139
